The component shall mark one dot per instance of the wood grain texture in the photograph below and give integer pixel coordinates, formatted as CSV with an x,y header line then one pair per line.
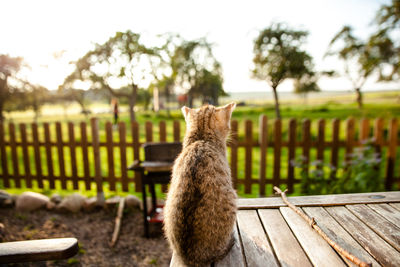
x,y
384,253
325,200
388,212
235,257
257,250
395,205
385,229
318,250
338,234
286,247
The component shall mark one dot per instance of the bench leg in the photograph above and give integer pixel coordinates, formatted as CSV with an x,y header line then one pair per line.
x,y
144,199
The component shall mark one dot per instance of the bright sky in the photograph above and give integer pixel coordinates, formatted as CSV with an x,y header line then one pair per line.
x,y
40,30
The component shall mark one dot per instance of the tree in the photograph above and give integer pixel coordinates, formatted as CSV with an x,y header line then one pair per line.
x,y
9,67
385,41
122,61
306,85
356,55
278,56
195,69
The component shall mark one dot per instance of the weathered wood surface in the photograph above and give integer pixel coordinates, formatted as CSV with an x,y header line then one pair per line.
x,y
285,244
338,234
325,200
38,250
318,250
389,212
257,250
383,252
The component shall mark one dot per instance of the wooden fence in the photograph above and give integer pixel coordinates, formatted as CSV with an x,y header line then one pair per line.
x,y
95,159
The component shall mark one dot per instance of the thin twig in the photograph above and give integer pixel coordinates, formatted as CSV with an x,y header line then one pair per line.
x,y
314,225
118,220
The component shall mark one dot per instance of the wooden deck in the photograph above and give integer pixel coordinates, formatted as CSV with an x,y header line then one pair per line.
x,y
270,234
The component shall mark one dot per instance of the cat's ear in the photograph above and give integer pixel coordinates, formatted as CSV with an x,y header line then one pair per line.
x,y
185,112
229,108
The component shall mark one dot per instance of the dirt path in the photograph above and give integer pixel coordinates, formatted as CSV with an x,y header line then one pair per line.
x,y
93,231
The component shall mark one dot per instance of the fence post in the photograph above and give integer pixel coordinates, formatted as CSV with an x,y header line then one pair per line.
x,y
36,148
86,168
248,156
97,165
234,151
136,153
25,155
391,154
306,143
321,141
60,149
3,156
72,151
110,155
14,155
49,157
263,140
277,152
335,147
291,153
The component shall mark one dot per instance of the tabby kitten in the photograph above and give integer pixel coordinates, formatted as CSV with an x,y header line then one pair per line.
x,y
200,210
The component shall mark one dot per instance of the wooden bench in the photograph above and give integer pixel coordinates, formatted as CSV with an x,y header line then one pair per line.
x,y
268,233
38,250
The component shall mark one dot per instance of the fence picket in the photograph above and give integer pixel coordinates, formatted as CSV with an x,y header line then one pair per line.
x,y
321,141
25,155
364,130
136,154
36,151
122,150
85,156
263,141
49,157
149,131
177,131
291,153
306,143
14,155
349,138
391,154
3,155
110,155
277,152
335,147
72,151
248,156
234,152
96,156
163,138
60,149
378,135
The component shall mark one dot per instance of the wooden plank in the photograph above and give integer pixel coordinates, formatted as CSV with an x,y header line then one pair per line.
x,y
248,156
149,131
286,247
385,229
136,153
335,147
318,250
96,156
3,155
257,250
321,141
306,143
49,157
277,152
14,155
163,138
349,138
364,130
388,212
263,141
38,250
177,131
36,150
60,150
395,205
391,154
85,157
235,257
234,153
122,150
291,154
385,254
72,151
325,200
25,155
110,155
336,232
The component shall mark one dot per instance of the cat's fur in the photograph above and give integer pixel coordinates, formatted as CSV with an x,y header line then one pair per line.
x,y
200,210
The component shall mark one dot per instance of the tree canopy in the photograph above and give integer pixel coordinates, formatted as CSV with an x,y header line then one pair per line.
x,y
278,56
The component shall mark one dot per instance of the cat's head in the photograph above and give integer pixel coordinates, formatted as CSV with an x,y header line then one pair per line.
x,y
209,119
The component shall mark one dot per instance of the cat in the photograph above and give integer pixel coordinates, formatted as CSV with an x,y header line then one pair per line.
x,y
200,210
